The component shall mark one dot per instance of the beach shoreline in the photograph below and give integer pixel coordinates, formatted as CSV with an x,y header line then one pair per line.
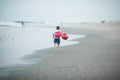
x,y
17,42
95,58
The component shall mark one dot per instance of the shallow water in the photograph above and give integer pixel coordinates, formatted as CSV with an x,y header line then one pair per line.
x,y
16,42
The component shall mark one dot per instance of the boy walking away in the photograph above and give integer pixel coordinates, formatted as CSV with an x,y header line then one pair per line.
x,y
57,36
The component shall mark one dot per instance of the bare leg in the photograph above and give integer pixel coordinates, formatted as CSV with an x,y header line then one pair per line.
x,y
58,46
55,44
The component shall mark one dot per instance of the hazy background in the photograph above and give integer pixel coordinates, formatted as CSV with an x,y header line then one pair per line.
x,y
60,10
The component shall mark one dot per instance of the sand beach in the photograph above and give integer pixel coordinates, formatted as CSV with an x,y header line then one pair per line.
x,y
95,57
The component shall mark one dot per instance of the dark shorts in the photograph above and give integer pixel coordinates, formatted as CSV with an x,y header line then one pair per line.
x,y
57,40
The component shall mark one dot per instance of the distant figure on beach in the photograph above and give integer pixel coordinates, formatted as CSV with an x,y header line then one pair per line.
x,y
103,21
57,36
22,23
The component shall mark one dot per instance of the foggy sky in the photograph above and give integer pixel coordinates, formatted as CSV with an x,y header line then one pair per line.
x,y
60,10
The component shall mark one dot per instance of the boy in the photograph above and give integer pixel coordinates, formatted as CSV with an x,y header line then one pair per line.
x,y
56,37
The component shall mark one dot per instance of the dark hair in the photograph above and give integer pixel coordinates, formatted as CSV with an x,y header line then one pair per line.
x,y
57,27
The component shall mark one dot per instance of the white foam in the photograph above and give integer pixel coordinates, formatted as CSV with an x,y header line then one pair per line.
x,y
9,23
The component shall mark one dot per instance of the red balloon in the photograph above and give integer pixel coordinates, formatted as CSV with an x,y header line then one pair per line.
x,y
65,36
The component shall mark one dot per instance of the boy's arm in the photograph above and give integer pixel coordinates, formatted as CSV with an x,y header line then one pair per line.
x,y
53,35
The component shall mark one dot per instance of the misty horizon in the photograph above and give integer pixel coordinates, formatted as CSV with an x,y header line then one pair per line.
x,y
60,10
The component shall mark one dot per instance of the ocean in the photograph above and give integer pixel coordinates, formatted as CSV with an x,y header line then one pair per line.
x,y
17,42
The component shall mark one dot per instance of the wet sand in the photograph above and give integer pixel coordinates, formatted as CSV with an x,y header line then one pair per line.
x,y
96,57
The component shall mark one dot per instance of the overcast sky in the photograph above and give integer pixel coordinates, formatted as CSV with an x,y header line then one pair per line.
x,y
60,10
